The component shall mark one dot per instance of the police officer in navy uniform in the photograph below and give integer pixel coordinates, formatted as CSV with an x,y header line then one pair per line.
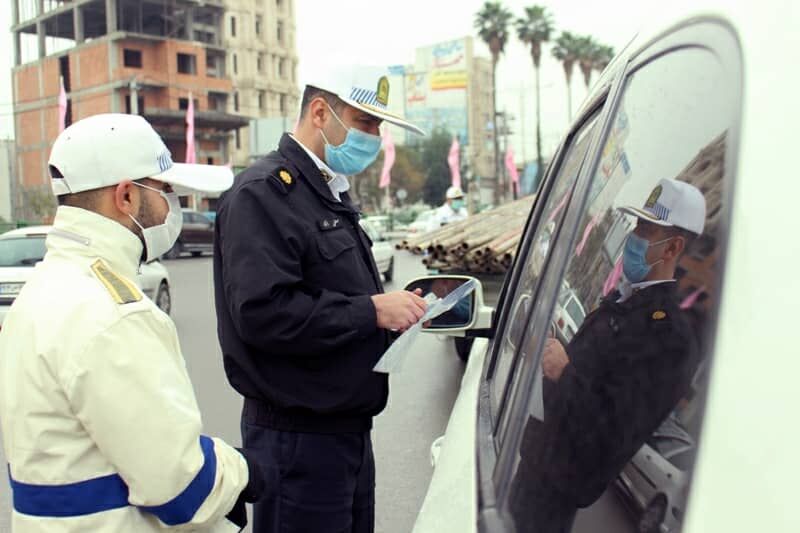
x,y
625,370
302,317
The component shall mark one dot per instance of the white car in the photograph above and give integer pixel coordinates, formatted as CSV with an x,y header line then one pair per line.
x,y
569,314
705,99
21,249
655,482
422,223
382,250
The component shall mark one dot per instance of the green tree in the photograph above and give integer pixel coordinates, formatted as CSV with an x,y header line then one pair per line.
x,y
406,174
492,22
433,157
604,55
566,51
587,52
533,29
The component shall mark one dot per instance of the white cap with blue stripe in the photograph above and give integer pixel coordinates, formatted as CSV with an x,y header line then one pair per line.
x,y
673,203
368,92
106,149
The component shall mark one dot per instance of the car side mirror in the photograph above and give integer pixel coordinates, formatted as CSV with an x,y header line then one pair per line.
x,y
468,313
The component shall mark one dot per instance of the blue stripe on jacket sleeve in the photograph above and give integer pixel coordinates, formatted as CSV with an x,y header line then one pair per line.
x,y
73,499
183,507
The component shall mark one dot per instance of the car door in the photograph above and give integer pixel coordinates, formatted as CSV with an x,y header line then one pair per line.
x,y
673,112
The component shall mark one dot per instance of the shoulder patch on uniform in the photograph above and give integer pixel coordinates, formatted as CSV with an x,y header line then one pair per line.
x,y
283,179
659,315
121,290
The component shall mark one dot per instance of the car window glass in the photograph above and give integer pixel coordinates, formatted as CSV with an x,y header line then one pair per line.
x,y
532,266
187,217
620,403
23,251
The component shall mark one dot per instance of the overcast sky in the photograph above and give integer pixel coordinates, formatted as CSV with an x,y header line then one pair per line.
x,y
363,32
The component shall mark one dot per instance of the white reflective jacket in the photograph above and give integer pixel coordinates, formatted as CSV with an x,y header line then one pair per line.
x,y
99,421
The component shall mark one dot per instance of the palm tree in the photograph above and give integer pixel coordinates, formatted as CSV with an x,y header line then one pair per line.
x,y
534,29
565,50
492,25
603,57
587,55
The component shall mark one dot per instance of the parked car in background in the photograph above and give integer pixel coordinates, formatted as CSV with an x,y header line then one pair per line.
x,y
197,236
210,215
380,223
569,314
422,223
21,249
382,250
655,483
675,103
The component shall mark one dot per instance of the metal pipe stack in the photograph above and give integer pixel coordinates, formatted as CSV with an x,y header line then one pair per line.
x,y
482,244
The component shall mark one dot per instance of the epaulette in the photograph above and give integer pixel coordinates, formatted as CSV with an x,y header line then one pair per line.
x,y
283,180
121,290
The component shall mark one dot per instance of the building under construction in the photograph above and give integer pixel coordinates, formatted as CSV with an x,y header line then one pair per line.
x,y
124,56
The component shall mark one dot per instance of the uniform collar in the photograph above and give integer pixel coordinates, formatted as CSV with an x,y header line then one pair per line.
x,y
627,290
79,233
337,183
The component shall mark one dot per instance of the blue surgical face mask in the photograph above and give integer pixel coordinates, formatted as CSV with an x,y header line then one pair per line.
x,y
458,204
356,153
634,260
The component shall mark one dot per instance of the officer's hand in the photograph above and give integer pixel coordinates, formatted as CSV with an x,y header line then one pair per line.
x,y
399,310
554,359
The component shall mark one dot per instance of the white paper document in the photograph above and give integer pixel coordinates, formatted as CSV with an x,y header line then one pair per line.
x,y
393,358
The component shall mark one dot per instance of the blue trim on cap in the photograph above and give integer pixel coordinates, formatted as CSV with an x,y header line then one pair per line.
x,y
110,492
660,211
365,96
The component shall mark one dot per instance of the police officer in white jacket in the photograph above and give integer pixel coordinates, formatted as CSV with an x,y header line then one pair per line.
x,y
100,424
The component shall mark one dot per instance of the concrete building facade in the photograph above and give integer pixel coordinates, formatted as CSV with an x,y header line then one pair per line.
x,y
259,37
125,56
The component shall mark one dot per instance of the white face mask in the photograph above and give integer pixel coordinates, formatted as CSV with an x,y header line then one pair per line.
x,y
158,239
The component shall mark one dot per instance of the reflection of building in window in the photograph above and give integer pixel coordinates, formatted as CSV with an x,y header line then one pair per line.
x,y
706,172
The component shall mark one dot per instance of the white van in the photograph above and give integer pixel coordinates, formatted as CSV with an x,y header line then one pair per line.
x,y
712,100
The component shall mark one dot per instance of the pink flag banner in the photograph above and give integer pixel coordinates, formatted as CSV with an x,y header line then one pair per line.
x,y
191,155
513,173
558,208
586,232
453,161
388,159
613,278
692,298
62,105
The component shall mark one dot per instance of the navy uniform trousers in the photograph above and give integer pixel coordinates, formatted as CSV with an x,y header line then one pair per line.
x,y
326,481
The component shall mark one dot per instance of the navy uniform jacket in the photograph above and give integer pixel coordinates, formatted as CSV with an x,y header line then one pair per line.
x,y
630,364
293,275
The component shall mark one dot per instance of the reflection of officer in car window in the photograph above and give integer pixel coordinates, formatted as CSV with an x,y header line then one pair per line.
x,y
627,367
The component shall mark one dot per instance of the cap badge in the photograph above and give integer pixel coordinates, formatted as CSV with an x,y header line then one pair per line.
x,y
654,196
285,177
383,91
659,315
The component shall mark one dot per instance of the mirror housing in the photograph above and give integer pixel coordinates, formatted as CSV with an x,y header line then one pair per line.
x,y
459,319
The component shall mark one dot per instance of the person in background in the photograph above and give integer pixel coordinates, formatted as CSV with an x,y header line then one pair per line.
x,y
452,210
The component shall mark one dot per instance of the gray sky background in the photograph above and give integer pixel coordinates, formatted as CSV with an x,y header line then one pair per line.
x,y
363,32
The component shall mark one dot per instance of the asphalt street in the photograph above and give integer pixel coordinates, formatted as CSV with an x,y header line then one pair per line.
x,y
419,404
